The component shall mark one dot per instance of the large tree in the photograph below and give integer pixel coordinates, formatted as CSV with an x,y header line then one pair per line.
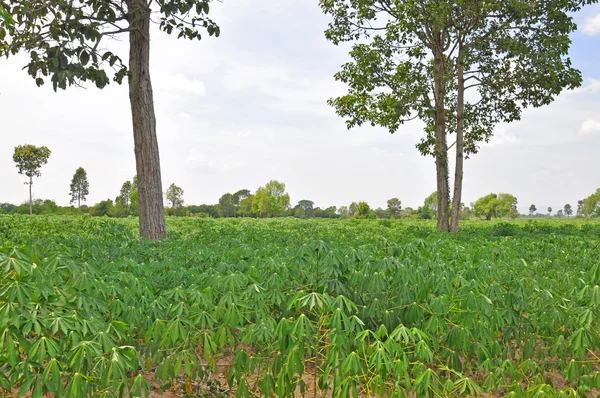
x,y
65,42
29,160
415,60
80,186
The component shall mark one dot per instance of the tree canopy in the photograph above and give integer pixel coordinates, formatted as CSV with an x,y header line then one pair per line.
x,y
415,60
80,186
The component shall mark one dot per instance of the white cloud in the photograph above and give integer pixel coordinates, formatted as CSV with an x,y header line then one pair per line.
x,y
181,83
591,26
590,127
200,161
503,137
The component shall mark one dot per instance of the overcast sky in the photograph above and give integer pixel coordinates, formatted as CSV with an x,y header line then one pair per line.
x,y
250,106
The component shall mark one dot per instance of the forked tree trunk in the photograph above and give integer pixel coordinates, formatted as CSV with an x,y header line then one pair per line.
x,y
441,146
150,196
460,144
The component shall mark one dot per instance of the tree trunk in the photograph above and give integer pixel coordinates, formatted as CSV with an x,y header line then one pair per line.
x,y
441,146
150,195
460,145
30,197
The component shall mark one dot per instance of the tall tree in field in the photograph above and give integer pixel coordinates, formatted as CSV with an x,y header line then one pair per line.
x,y
65,42
80,186
125,194
29,160
416,59
549,211
175,196
568,210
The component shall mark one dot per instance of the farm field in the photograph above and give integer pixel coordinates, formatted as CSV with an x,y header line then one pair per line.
x,y
287,307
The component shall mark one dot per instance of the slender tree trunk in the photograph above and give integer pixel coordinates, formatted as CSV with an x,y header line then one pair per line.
x,y
150,195
441,146
460,144
30,196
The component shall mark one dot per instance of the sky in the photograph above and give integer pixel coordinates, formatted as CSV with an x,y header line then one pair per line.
x,y
237,111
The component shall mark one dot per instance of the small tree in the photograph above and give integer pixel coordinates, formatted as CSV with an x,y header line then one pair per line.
x,y
29,160
568,210
363,210
307,207
394,207
532,210
80,186
591,204
125,194
549,210
175,196
486,207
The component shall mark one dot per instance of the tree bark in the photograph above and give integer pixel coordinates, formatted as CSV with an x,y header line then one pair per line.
x,y
150,195
30,196
460,144
441,145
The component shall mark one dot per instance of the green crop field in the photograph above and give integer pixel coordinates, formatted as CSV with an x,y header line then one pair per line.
x,y
286,307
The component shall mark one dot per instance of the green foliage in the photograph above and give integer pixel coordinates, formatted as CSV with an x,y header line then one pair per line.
x,y
395,311
492,205
270,200
532,209
80,186
431,204
568,210
175,196
101,208
227,205
117,211
394,207
125,194
415,60
363,211
591,205
133,202
70,49
29,159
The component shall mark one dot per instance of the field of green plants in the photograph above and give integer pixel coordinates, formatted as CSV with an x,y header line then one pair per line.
x,y
286,307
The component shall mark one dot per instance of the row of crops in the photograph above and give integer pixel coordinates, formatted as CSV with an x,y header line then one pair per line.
x,y
287,307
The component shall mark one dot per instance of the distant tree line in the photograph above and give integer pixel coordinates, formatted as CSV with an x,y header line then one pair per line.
x,y
270,200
